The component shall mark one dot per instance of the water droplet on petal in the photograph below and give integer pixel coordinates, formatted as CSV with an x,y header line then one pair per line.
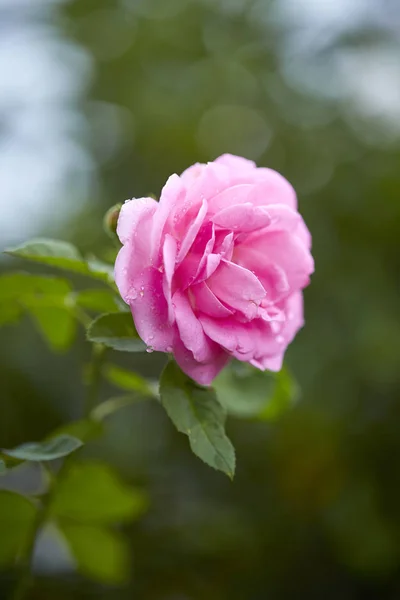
x,y
151,337
132,294
280,339
168,348
149,349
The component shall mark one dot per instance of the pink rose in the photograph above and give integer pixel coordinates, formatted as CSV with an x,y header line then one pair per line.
x,y
215,269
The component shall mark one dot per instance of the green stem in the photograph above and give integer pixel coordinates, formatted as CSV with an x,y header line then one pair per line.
x,y
96,367
26,577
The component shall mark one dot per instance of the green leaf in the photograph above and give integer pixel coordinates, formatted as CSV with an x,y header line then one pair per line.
x,y
112,405
45,299
101,554
92,493
57,325
103,301
48,450
243,389
100,269
127,380
62,255
286,393
117,331
3,467
196,412
247,392
17,516
25,286
9,313
84,430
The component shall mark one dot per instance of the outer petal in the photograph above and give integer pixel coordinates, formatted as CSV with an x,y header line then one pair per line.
x,y
192,173
150,310
284,333
281,249
237,287
190,329
294,316
205,180
131,213
303,233
234,194
134,256
283,218
270,364
202,182
172,196
236,163
242,217
245,341
203,373
237,338
273,188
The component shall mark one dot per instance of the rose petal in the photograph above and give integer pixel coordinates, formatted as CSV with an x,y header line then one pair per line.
x,y
276,250
190,329
192,173
236,163
202,182
134,256
207,302
195,261
245,341
273,363
237,338
225,249
192,232
212,263
131,213
203,373
242,217
294,316
272,188
237,287
235,194
283,218
150,310
303,233
169,257
172,195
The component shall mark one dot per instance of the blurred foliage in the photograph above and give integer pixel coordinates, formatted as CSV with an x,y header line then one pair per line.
x,y
317,492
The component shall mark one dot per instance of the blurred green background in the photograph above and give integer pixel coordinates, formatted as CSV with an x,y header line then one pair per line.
x,y
101,100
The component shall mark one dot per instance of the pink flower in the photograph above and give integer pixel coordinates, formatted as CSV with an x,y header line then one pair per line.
x,y
215,269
